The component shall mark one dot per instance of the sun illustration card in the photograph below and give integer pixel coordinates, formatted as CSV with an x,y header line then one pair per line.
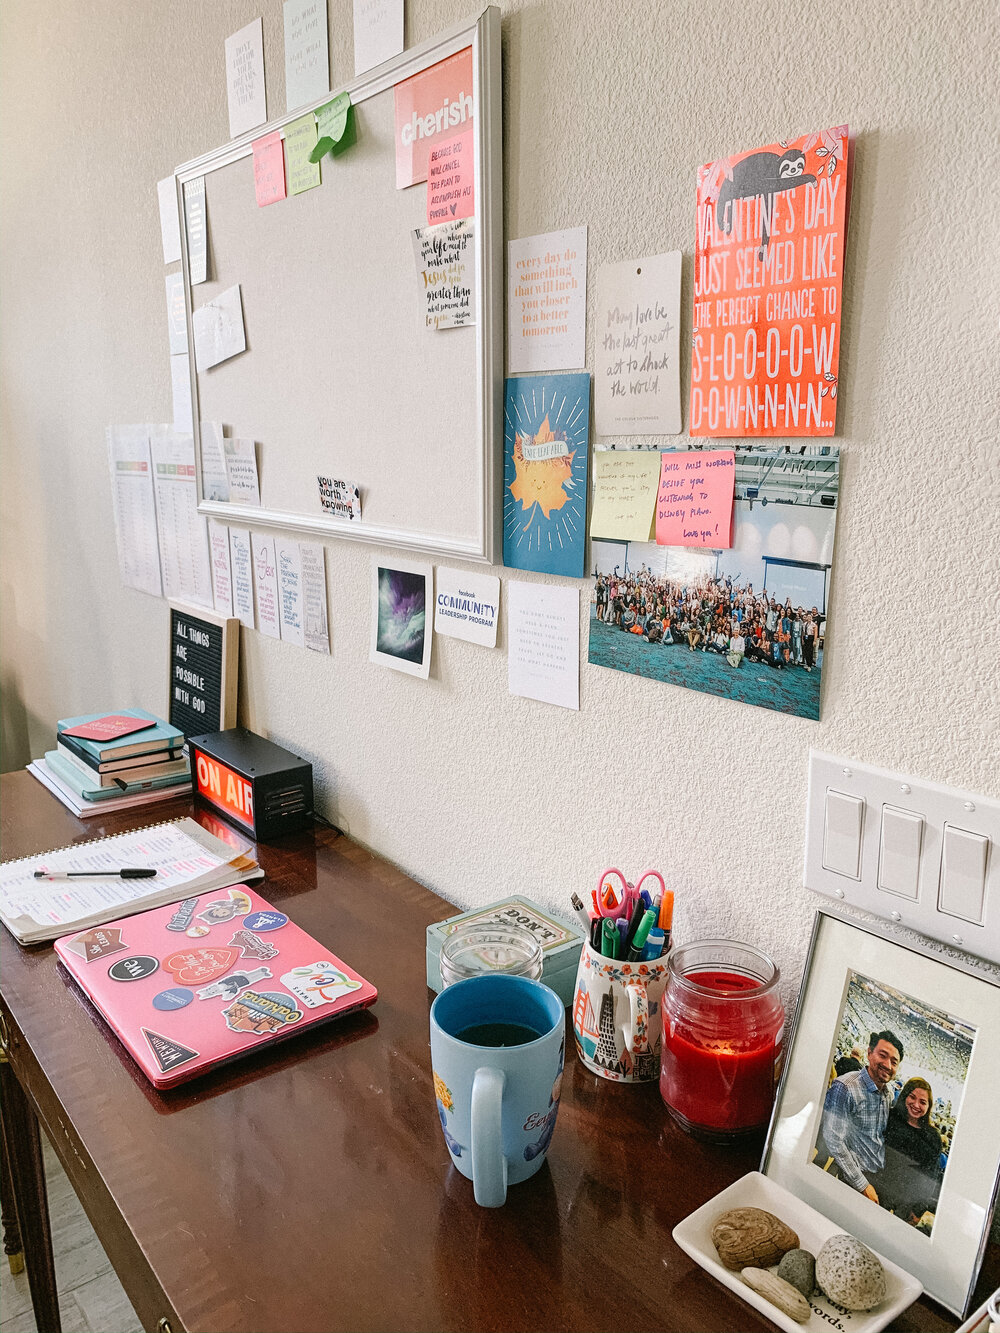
x,y
546,447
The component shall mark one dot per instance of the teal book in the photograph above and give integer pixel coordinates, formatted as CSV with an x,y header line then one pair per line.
x,y
89,790
161,736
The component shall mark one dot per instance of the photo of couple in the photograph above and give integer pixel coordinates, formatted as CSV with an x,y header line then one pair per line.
x,y
892,1100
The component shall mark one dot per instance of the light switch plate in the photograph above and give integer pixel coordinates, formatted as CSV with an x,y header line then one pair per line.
x,y
937,806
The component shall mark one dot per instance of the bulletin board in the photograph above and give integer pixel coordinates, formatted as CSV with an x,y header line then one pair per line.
x,y
341,378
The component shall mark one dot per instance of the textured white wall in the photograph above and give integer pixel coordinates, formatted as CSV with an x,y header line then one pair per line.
x,y
609,109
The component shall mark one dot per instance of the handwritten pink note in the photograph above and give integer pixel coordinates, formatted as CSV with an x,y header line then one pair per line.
x,y
269,169
450,188
694,504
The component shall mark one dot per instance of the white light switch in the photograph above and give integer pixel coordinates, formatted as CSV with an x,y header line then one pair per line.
x,y
899,852
963,873
842,833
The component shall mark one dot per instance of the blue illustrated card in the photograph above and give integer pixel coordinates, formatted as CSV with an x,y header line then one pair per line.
x,y
546,444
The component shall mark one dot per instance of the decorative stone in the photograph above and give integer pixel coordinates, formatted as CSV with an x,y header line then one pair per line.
x,y
751,1236
799,1268
850,1274
787,1298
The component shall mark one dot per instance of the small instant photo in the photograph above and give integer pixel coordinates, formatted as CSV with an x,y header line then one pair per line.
x,y
402,616
886,1116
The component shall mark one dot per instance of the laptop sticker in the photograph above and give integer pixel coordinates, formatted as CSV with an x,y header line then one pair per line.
x,y
261,1012
168,1054
97,943
133,969
252,946
230,986
190,966
318,983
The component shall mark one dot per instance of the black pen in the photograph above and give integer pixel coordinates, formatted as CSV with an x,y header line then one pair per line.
x,y
128,872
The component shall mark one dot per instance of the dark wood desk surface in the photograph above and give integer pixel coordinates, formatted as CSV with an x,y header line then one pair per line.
x,y
310,1187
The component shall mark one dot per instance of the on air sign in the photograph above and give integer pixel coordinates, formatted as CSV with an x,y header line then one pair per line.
x,y
430,106
224,789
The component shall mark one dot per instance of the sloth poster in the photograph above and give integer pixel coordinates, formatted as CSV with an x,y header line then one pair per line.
x,y
769,264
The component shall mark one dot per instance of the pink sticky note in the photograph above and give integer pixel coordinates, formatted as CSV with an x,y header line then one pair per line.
x,y
694,503
269,169
451,193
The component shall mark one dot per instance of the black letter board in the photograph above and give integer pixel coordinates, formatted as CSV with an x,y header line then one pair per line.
x,y
204,654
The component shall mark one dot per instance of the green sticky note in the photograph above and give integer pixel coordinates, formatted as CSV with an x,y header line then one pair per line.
x,y
332,118
300,140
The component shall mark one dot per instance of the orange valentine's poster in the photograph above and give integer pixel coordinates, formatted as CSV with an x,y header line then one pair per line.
x,y
769,264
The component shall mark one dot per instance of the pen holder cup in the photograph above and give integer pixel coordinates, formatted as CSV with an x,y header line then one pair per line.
x,y
616,1016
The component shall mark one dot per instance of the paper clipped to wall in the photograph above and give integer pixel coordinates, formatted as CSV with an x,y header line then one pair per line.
x,y
307,57
342,499
637,383
170,227
134,507
378,32
446,263
245,79
547,301
466,606
769,264
543,631
196,227
546,447
625,483
300,140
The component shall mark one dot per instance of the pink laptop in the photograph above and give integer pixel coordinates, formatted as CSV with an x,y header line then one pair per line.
x,y
189,986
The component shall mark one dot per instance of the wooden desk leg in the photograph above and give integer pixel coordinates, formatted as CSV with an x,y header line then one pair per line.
x,y
22,1147
8,1217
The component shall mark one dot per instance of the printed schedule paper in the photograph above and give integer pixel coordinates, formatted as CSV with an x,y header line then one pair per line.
x,y
543,659
184,556
134,507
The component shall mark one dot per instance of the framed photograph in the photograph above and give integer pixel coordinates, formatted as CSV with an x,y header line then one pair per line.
x,y
402,605
886,1114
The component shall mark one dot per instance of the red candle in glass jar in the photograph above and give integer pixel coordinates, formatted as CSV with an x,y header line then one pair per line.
x,y
722,1038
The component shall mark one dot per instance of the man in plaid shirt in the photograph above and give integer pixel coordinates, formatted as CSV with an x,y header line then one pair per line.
x,y
856,1112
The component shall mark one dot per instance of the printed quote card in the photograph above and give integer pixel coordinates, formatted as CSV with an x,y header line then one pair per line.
x,y
245,78
547,301
446,261
769,264
637,382
543,658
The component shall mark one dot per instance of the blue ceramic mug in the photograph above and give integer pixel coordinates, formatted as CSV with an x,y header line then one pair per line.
x,y
497,1049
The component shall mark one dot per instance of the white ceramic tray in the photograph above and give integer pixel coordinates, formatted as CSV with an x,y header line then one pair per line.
x,y
694,1236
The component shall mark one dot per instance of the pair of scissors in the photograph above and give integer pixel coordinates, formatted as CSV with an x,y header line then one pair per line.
x,y
614,903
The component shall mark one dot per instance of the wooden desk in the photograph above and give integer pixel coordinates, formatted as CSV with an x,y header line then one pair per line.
x,y
310,1188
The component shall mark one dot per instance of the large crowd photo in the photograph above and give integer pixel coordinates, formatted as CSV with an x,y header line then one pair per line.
x,y
747,622
892,1101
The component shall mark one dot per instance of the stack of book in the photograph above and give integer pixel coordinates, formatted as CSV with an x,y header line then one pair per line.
x,y
105,762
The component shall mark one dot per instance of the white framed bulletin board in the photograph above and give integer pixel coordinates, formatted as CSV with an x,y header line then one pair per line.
x,y
343,375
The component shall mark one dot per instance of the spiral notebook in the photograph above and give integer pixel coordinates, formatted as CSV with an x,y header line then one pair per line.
x,y
191,986
187,859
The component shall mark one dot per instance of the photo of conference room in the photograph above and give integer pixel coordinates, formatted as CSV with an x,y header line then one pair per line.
x,y
746,623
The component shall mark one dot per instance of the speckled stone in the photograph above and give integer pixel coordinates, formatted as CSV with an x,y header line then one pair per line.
x,y
799,1268
850,1274
779,1292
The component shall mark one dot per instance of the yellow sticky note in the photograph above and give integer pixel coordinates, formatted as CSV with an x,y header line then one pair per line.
x,y
300,140
625,484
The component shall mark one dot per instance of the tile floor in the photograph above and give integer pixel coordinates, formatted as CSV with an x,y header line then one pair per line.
x,y
91,1299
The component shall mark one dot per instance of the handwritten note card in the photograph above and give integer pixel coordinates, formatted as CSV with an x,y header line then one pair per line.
x,y
266,579
268,169
637,385
222,578
694,505
543,660
317,634
625,485
446,259
245,78
307,60
300,140
241,471
218,329
242,566
289,566
547,301
196,226
378,32
450,179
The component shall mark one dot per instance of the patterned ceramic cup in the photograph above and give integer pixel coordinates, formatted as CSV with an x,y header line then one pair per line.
x,y
616,1016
